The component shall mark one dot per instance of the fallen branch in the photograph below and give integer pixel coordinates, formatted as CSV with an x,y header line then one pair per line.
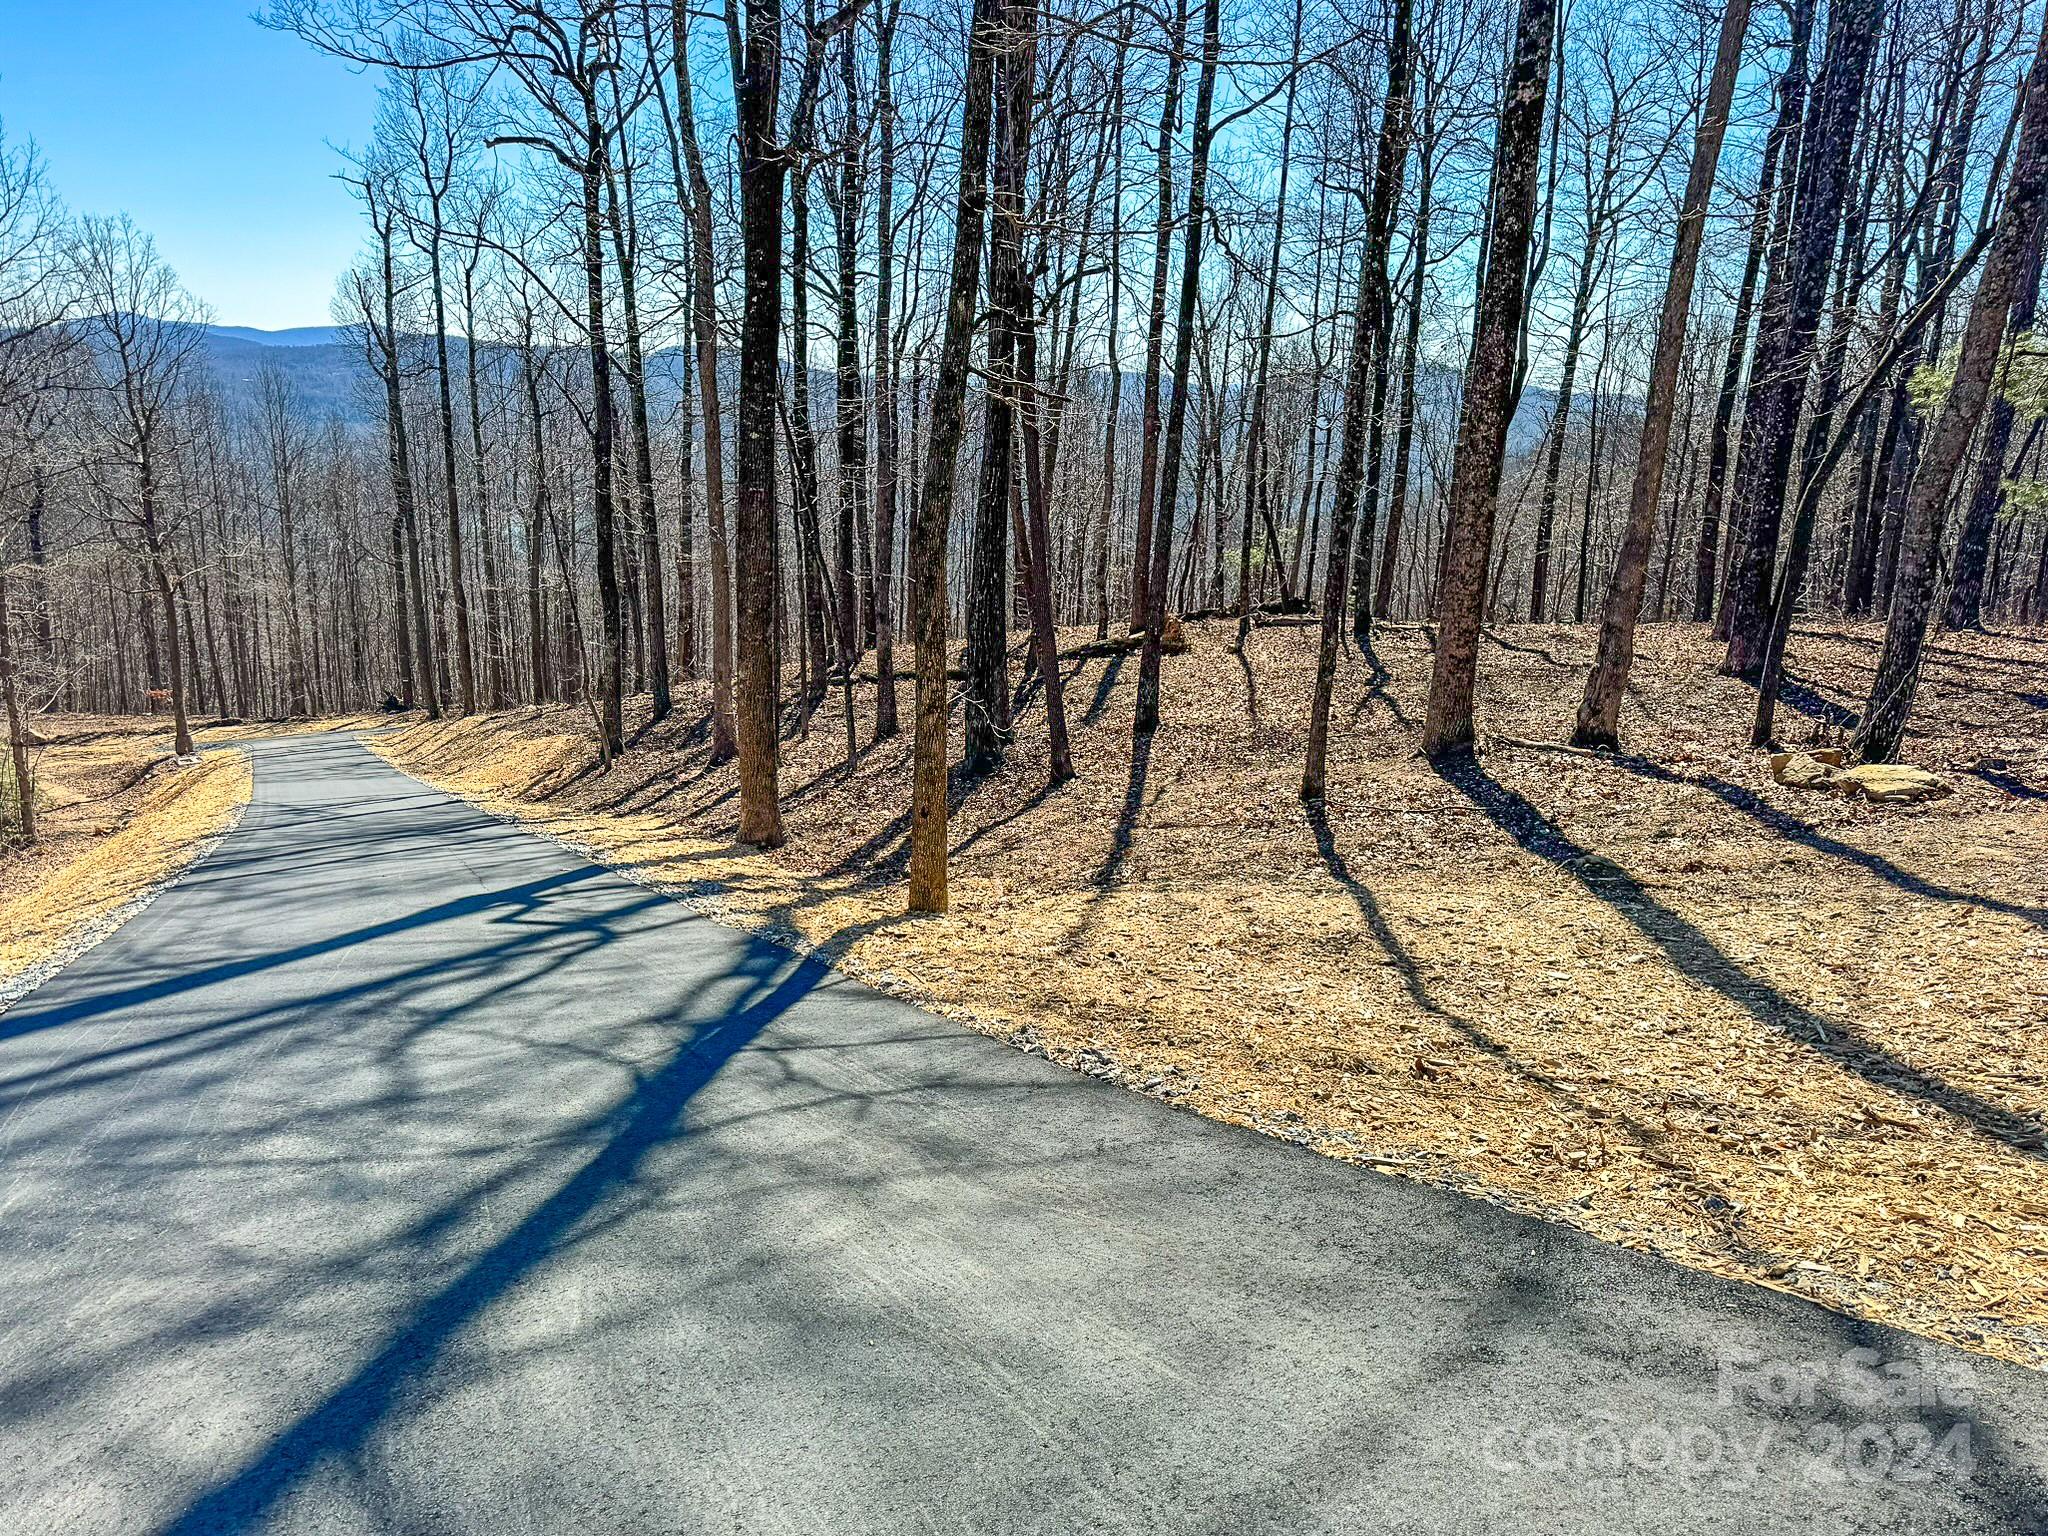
x,y
1542,746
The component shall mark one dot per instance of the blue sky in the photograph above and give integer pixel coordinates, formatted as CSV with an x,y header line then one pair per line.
x,y
210,131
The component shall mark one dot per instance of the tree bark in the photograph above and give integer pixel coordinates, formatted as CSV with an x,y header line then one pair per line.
x,y
1155,328
756,87
1987,499
885,386
1600,707
1489,384
603,426
1146,717
1369,323
1785,353
985,696
17,725
1948,440
704,332
934,511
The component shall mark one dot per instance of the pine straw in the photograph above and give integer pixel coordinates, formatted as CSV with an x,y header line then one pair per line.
x,y
118,820
1660,998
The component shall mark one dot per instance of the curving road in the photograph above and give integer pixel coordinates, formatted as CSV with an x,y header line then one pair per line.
x,y
398,1172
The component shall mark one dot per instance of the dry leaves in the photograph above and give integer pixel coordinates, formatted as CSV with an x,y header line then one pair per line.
x,y
118,818
1657,997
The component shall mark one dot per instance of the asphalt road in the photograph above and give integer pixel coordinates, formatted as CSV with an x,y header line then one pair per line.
x,y
398,1172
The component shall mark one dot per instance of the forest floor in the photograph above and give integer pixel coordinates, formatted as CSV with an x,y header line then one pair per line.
x,y
117,815
1658,996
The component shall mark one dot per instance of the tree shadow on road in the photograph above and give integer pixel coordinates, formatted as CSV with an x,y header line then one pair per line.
x,y
342,1423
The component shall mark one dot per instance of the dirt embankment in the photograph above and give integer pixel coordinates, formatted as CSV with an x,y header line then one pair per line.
x,y
1754,1028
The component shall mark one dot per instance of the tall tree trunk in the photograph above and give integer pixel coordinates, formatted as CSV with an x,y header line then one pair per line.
x,y
538,653
398,462
496,625
1554,438
155,549
1404,430
1791,98
986,694
1785,352
850,417
298,693
885,385
1898,668
1987,499
1821,465
1489,384
1155,326
1369,323
458,581
603,432
814,584
646,521
756,87
1256,449
1600,707
1146,717
1114,409
1937,252
17,724
406,691
934,512
1859,577
704,332
1021,32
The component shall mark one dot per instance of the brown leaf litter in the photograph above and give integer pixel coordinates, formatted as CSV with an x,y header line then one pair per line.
x,y
118,816
1787,1037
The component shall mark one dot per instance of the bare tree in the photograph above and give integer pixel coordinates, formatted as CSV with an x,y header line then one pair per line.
x,y
145,331
1600,709
1489,384
942,444
1897,679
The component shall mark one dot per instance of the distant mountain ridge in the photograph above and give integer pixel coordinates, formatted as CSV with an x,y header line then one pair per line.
x,y
333,380
292,336
326,370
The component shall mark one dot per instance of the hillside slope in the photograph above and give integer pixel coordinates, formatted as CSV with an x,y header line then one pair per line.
x,y
1659,997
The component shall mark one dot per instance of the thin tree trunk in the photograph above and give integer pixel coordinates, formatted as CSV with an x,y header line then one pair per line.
x,y
625,243
1600,707
1898,669
465,661
1155,328
1404,431
1146,717
1987,499
934,512
1369,323
17,725
704,332
885,387
603,417
1256,449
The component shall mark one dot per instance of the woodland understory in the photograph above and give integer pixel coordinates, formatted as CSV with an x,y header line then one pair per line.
x,y
1655,995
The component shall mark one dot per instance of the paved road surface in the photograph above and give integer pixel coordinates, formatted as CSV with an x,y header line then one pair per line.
x,y
397,1172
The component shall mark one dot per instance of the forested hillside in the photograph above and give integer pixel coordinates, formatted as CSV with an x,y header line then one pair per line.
x,y
774,354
